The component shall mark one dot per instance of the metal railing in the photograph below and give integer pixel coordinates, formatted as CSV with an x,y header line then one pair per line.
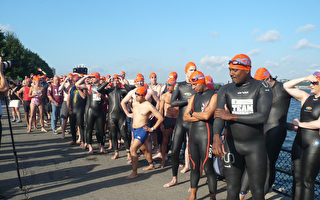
x,y
284,176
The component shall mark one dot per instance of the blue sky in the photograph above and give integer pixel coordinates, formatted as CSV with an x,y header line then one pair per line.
x,y
162,36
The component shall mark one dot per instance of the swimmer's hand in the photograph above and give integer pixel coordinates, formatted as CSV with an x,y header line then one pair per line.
x,y
148,129
224,114
218,146
296,123
130,115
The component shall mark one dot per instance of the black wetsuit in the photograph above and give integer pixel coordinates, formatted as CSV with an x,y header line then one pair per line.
x,y
306,152
180,95
116,116
275,131
245,143
200,144
95,117
77,105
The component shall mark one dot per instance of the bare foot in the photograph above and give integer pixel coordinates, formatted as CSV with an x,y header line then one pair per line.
x,y
163,163
128,156
170,184
78,141
72,143
150,167
83,146
43,130
132,176
103,150
116,156
110,147
28,130
181,165
90,151
157,156
185,170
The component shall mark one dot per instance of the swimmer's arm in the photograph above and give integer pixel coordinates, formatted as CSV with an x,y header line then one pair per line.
x,y
30,92
126,87
124,102
309,125
61,87
187,116
300,95
159,117
80,84
101,89
219,123
155,97
174,98
264,103
208,111
161,110
20,91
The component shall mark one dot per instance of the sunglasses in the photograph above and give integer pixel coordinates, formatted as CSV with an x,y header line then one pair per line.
x,y
153,77
315,82
139,95
237,62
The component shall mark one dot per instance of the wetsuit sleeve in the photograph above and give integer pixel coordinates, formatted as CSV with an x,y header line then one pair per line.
x,y
264,103
218,123
101,89
127,88
174,98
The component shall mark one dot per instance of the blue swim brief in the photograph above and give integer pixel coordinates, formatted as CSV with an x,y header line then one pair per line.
x,y
140,134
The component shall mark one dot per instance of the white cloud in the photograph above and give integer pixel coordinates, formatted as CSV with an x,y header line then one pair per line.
x,y
288,58
306,28
214,33
269,64
254,52
217,62
5,28
269,36
304,43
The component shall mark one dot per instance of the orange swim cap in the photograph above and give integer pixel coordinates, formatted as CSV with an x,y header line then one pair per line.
x,y
95,74
197,77
209,82
141,91
173,75
171,82
153,75
240,61
116,76
122,73
261,74
36,78
108,76
70,75
317,75
139,77
188,65
102,77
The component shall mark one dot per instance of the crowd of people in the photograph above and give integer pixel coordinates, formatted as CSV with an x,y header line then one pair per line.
x,y
244,122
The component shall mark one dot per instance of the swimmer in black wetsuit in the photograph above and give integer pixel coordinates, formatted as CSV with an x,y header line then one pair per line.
x,y
76,105
249,102
306,146
95,117
199,112
116,116
275,129
180,96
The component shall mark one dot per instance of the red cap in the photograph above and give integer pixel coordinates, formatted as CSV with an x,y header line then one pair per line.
x,y
197,77
153,75
209,82
240,61
188,65
261,74
171,82
95,74
173,75
142,91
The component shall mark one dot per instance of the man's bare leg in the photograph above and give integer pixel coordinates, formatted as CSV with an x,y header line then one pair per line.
x,y
173,182
147,155
134,158
166,134
186,159
193,194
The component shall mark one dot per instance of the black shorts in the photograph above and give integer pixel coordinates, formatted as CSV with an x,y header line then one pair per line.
x,y
64,110
26,106
169,123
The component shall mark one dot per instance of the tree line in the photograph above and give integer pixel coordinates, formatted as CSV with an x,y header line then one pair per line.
x,y
26,61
